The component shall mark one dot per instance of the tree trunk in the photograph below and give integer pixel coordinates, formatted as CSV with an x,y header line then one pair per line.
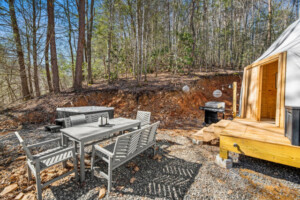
x,y
80,46
47,61
67,11
34,52
269,23
109,45
194,38
51,25
139,39
29,61
89,43
17,38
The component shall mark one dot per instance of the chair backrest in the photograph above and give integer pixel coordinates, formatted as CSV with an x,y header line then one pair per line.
x,y
126,145
148,135
27,151
77,119
95,116
67,122
144,117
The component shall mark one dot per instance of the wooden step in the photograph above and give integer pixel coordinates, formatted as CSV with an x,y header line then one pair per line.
x,y
198,135
209,133
223,123
212,132
218,127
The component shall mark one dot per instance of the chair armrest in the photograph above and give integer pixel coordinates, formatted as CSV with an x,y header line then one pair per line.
x,y
43,143
104,151
57,153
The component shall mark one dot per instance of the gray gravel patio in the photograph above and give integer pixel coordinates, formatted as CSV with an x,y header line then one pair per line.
x,y
182,170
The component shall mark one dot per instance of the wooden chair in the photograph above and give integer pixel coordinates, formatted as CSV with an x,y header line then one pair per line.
x,y
90,118
125,148
77,119
41,161
144,117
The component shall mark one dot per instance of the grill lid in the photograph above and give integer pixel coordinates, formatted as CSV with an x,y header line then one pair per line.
x,y
215,104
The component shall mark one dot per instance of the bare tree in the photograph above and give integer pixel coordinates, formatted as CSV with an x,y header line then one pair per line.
x,y
34,50
194,36
269,22
47,61
17,38
80,46
29,60
89,42
67,11
51,25
109,41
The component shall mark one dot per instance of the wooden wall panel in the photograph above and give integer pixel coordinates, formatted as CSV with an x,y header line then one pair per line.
x,y
252,89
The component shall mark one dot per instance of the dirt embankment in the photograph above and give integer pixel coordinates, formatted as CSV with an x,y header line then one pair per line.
x,y
168,103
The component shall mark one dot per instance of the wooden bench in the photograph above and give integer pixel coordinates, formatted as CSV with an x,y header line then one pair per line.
x,y
125,148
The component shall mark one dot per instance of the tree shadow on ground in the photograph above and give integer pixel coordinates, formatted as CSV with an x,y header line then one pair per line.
x,y
169,177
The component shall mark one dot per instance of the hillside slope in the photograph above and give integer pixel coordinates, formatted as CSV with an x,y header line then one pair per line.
x,y
161,95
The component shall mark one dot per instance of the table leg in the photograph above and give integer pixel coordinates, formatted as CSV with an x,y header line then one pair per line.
x,y
75,146
64,144
82,167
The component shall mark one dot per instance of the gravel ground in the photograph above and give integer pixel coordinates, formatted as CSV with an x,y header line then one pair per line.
x,y
185,171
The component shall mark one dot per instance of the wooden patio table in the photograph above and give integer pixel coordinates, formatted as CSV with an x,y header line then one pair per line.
x,y
88,132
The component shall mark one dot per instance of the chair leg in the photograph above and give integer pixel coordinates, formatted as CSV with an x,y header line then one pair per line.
x,y
29,173
154,149
75,163
109,176
93,161
38,183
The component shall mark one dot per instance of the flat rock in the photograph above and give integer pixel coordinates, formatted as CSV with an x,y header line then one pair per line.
x,y
29,196
19,196
9,189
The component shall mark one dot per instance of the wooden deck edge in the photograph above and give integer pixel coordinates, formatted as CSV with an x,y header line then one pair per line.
x,y
278,153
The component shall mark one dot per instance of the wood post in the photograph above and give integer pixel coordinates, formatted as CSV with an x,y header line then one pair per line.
x,y
234,99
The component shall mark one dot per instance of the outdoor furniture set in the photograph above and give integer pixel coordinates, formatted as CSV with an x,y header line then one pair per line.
x,y
83,130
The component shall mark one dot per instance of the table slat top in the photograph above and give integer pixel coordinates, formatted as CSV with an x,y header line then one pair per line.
x,y
89,131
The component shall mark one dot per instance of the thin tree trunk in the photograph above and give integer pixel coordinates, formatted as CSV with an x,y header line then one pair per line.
x,y
269,22
47,61
139,39
51,24
17,38
34,52
194,38
67,11
29,61
109,45
89,43
80,46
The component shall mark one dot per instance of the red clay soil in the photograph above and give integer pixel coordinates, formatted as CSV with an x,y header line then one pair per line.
x,y
161,95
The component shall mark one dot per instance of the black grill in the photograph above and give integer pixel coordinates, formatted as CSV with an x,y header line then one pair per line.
x,y
211,109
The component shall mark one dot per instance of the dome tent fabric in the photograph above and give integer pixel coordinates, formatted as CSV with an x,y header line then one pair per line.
x,y
289,41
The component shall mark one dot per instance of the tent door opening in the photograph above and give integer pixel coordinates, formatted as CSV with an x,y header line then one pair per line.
x,y
269,86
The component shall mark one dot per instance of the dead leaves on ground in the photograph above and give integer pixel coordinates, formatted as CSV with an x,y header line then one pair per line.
x,y
102,192
157,157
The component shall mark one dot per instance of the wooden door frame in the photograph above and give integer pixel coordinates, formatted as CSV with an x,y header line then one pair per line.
x,y
280,96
